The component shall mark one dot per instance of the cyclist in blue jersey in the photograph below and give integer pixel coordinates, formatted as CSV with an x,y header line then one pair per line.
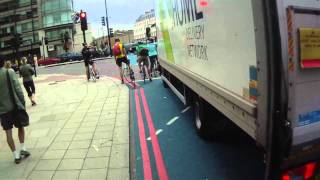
x,y
153,54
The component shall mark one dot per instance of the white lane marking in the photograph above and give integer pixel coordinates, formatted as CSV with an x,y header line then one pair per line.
x,y
186,109
172,120
157,133
147,78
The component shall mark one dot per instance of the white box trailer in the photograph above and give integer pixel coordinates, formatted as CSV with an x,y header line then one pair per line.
x,y
256,62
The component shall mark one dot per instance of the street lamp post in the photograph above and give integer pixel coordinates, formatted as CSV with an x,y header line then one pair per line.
x,y
107,20
33,38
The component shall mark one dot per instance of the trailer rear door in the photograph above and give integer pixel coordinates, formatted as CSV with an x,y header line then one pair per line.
x,y
300,33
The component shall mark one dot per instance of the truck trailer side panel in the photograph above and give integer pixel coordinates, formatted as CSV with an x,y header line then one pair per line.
x,y
212,49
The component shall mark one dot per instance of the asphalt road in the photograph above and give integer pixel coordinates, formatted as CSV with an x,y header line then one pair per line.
x,y
106,67
175,151
184,154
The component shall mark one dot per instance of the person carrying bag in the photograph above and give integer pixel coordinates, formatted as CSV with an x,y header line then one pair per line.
x,y
12,110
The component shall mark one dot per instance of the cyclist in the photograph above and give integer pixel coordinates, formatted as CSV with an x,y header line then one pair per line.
x,y
143,57
86,53
153,55
120,55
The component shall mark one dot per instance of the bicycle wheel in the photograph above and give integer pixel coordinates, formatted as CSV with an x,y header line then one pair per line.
x,y
92,74
144,74
88,73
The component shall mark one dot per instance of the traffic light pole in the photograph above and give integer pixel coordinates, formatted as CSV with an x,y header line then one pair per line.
x,y
84,36
43,44
107,20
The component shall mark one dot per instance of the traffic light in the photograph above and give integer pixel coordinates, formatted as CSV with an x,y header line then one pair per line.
x,y
148,32
103,21
111,32
83,20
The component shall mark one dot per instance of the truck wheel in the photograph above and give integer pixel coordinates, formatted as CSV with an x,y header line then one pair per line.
x,y
165,85
208,120
200,119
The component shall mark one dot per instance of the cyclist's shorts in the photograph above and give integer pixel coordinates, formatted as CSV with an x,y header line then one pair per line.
x,y
87,62
144,59
119,61
153,58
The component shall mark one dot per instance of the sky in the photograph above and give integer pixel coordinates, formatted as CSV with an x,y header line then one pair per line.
x,y
122,13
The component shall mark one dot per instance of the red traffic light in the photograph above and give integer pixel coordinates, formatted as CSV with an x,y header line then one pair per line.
x,y
83,15
204,3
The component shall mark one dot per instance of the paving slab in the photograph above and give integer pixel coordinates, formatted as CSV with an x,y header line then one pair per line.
x,y
66,175
78,130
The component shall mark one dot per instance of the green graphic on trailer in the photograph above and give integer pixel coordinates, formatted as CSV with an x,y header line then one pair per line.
x,y
165,34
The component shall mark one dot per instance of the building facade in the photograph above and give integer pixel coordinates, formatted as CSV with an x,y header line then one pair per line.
x,y
34,20
19,17
56,23
125,36
78,37
148,19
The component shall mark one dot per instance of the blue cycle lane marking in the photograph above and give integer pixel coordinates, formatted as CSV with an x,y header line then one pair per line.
x,y
186,155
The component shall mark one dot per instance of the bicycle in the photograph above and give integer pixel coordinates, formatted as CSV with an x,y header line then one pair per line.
x,y
128,72
144,73
91,74
155,67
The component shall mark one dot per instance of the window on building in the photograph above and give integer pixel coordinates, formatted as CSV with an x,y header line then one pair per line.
x,y
24,2
24,27
48,20
65,17
10,29
65,4
36,24
56,19
19,29
47,6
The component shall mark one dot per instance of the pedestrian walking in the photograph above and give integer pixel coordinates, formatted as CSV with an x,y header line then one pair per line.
x,y
12,110
26,71
35,60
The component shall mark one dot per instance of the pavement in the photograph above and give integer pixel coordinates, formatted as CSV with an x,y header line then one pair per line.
x,y
78,130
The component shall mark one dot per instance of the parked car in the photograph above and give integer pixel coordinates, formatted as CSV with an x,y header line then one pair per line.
x,y
65,57
48,61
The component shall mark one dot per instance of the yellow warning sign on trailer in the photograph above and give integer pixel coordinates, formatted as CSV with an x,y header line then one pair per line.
x,y
309,47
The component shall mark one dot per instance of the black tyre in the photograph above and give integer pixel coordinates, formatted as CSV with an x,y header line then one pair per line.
x,y
165,85
208,120
200,119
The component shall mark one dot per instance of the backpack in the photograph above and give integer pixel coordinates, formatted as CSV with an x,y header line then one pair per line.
x,y
117,50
